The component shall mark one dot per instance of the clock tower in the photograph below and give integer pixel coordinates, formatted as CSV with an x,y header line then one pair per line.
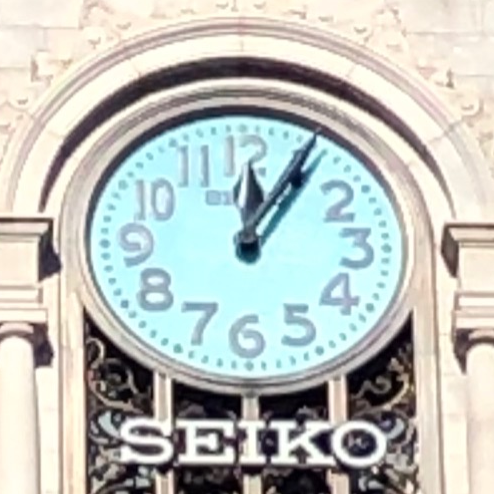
x,y
235,240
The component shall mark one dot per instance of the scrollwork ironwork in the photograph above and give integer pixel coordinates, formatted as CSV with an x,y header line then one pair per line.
x,y
383,391
195,404
117,388
308,405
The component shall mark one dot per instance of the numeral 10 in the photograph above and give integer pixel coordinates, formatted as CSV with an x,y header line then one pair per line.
x,y
155,199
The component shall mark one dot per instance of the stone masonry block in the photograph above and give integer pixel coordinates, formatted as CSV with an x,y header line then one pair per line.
x,y
42,13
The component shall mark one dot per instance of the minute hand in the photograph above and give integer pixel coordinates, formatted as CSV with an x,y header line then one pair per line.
x,y
291,174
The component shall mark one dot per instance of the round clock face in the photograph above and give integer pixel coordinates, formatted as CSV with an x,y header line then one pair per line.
x,y
162,252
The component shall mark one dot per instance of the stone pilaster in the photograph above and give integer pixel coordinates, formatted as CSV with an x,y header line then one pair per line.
x,y
469,251
25,257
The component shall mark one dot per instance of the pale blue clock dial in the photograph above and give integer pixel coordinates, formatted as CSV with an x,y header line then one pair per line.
x,y
161,250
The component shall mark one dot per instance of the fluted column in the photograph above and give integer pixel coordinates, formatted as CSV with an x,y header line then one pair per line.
x,y
469,250
25,259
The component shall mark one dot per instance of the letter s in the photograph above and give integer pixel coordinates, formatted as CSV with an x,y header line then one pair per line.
x,y
131,435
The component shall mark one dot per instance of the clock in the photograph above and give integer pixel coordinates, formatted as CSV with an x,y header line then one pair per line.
x,y
162,253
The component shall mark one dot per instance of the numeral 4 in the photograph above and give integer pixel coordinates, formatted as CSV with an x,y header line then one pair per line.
x,y
337,294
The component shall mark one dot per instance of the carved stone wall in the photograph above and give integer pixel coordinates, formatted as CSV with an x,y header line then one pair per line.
x,y
448,44
454,50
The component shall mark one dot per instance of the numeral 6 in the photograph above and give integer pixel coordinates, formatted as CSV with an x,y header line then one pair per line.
x,y
240,330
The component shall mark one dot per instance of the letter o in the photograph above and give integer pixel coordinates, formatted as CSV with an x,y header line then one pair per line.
x,y
343,456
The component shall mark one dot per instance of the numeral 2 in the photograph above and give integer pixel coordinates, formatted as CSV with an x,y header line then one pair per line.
x,y
336,212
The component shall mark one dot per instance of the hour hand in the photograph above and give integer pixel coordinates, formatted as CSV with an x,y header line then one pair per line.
x,y
247,192
248,196
247,239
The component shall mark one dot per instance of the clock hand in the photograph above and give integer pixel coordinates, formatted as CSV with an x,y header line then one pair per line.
x,y
289,200
247,192
247,237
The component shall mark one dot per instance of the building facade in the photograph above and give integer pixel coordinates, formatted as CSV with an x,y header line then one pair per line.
x,y
117,119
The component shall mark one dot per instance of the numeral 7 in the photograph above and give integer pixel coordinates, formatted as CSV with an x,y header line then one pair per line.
x,y
208,310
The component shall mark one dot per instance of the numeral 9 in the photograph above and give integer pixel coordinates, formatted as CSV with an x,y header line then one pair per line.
x,y
136,239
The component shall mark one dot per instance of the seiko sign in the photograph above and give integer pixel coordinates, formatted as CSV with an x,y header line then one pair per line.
x,y
148,441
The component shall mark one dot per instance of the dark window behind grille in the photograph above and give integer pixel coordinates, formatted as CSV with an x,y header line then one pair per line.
x,y
194,404
310,404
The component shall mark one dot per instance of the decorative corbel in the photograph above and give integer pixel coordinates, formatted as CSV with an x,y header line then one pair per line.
x,y
468,250
26,258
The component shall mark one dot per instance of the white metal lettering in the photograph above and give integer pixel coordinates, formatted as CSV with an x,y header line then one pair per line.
x,y
250,455
359,462
148,441
131,433
201,435
290,440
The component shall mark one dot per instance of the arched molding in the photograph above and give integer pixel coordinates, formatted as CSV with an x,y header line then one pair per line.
x,y
381,143
52,139
54,127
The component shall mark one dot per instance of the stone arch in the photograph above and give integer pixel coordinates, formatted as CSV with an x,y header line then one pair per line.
x,y
38,167
55,126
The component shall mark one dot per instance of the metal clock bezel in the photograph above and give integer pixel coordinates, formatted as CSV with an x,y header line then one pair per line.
x,y
172,105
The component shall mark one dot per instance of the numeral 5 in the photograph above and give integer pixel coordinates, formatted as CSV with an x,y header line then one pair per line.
x,y
292,317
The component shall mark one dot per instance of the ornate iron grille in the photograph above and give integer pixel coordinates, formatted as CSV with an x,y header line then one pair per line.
x,y
308,405
382,391
117,388
194,404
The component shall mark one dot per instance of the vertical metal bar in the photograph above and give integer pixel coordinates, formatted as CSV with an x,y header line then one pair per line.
x,y
163,409
337,413
252,484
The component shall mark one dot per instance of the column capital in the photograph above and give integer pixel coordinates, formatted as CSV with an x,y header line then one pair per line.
x,y
35,333
467,250
461,238
27,255
473,321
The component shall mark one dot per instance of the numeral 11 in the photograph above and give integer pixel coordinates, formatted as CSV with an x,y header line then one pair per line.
x,y
184,165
